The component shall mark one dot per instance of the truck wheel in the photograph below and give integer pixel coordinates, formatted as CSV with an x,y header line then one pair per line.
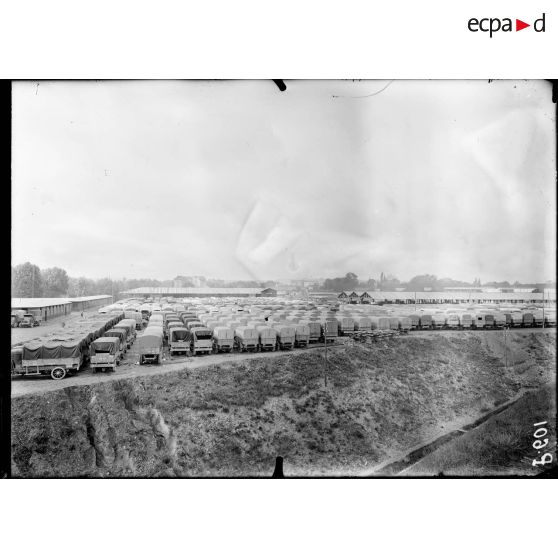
x,y
58,373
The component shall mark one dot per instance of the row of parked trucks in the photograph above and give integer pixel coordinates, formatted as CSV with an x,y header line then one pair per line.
x,y
20,318
101,343
466,320
205,329
194,332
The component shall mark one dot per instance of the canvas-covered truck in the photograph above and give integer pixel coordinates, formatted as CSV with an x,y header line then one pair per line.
x,y
346,325
528,319
315,330
489,322
302,335
134,315
223,339
538,318
405,323
267,338
380,322
363,323
452,321
193,323
171,325
104,353
186,316
438,321
466,320
286,336
246,339
202,340
499,320
122,334
479,321
130,327
54,357
426,321
415,321
156,319
331,330
180,340
150,345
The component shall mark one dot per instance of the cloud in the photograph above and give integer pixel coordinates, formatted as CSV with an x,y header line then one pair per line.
x,y
235,179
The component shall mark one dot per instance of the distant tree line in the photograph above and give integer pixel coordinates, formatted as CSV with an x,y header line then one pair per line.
x,y
388,282
29,281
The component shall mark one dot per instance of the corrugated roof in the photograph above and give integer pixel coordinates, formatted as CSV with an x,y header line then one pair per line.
x,y
460,295
38,302
87,298
200,291
42,302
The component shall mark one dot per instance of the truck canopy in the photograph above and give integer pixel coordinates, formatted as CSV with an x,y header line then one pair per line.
x,y
128,326
246,333
223,333
179,334
55,348
151,338
202,333
119,332
104,345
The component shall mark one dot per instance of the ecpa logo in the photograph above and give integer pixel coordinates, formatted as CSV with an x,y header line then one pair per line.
x,y
494,24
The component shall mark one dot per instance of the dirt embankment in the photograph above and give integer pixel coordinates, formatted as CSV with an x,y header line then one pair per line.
x,y
233,419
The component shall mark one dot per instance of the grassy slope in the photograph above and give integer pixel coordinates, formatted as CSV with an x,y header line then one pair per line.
x,y
235,419
502,445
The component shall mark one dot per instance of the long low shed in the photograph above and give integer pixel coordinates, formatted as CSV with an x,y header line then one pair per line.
x,y
47,308
445,297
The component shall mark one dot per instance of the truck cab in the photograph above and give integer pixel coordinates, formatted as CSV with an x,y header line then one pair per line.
x,y
29,320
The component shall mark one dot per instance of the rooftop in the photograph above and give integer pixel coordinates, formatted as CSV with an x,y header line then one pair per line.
x,y
42,302
200,291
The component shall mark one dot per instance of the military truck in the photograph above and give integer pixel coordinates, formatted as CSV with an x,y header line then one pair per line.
x,y
104,353
30,320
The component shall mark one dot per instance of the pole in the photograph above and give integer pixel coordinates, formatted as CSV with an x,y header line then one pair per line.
x,y
506,348
33,283
325,347
543,308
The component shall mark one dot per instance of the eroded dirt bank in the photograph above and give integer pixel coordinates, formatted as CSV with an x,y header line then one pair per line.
x,y
233,419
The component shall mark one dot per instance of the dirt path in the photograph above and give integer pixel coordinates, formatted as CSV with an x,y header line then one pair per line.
x,y
130,369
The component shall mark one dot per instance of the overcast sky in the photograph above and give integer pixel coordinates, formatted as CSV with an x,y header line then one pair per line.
x,y
238,180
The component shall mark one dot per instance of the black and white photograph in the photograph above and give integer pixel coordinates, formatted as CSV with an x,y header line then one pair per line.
x,y
283,278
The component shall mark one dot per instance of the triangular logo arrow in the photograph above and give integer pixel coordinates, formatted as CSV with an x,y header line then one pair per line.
x,y
519,25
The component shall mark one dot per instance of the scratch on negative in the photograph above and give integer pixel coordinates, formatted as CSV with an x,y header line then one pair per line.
x,y
364,96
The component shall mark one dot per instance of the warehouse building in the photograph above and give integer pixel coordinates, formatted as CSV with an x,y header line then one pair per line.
x,y
46,308
82,303
452,297
200,292
43,308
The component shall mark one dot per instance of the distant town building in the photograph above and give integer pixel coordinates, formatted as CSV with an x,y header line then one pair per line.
x,y
191,281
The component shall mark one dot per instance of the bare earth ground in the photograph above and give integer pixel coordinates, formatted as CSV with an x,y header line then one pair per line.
x,y
225,415
24,334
